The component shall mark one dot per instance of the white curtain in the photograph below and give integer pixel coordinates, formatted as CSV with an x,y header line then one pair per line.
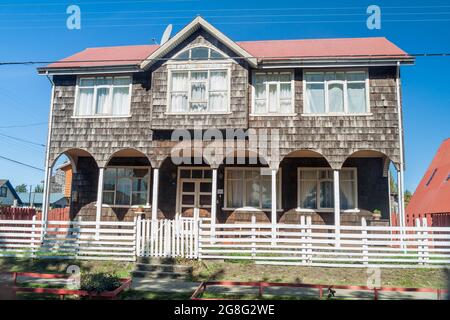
x,y
347,194
316,97
179,97
235,193
85,102
285,98
218,81
273,98
336,97
217,101
266,192
326,194
356,97
252,191
120,101
308,194
102,104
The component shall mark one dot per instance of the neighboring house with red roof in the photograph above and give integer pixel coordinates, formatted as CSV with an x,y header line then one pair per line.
x,y
431,199
334,105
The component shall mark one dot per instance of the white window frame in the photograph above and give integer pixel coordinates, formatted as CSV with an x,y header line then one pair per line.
x,y
317,169
194,66
95,87
147,204
306,110
245,207
268,83
189,49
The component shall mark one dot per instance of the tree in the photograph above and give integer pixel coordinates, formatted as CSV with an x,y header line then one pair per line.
x,y
408,196
393,184
21,188
39,188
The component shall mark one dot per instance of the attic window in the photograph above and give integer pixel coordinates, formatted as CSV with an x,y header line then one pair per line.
x,y
431,177
199,53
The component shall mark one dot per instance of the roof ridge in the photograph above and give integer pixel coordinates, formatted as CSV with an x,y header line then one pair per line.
x,y
311,39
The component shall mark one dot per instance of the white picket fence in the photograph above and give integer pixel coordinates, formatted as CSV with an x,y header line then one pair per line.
x,y
281,244
315,245
68,240
167,238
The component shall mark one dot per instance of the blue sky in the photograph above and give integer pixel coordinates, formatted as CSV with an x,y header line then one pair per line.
x,y
36,31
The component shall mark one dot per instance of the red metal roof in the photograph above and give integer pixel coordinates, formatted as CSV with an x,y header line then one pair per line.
x,y
434,197
268,49
98,57
321,48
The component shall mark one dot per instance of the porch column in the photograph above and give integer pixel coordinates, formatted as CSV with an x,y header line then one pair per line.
x,y
213,202
98,212
274,204
401,195
155,194
45,200
337,207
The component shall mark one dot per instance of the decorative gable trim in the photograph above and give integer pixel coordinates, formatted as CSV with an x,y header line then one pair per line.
x,y
184,33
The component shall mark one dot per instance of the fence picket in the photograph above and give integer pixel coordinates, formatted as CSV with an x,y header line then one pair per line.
x,y
364,241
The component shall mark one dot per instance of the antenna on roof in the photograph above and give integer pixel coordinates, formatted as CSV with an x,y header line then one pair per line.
x,y
166,34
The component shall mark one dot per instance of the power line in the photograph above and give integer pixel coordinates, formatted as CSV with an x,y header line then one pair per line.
x,y
24,125
22,140
21,163
41,4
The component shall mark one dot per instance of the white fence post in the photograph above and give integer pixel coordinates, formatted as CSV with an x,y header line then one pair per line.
x,y
425,243
137,238
364,241
309,237
419,241
303,238
33,239
253,236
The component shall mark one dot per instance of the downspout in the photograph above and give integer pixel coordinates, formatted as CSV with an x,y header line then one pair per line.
x,y
401,188
46,194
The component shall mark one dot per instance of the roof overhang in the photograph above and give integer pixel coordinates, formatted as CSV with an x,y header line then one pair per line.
x,y
89,70
333,62
188,30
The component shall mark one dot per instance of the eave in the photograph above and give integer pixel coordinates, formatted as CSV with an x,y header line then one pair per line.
x,y
89,70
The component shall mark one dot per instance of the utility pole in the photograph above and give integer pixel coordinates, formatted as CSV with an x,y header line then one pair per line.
x,y
29,196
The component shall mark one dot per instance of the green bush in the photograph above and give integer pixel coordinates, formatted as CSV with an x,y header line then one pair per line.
x,y
99,282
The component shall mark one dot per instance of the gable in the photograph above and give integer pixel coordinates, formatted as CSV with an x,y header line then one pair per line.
x,y
198,25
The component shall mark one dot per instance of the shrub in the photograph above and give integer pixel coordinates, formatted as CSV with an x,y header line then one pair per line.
x,y
99,282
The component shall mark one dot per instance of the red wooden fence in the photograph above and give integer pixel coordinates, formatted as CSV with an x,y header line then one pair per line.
x,y
10,213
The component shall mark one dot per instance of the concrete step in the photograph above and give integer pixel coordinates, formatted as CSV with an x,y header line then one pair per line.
x,y
159,275
163,267
153,260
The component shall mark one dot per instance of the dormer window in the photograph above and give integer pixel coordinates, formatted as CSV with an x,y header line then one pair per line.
x,y
200,53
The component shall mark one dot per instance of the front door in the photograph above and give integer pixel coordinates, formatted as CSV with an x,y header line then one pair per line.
x,y
195,187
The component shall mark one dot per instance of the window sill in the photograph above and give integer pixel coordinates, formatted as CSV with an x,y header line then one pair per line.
x,y
326,210
195,113
272,114
337,114
249,209
101,117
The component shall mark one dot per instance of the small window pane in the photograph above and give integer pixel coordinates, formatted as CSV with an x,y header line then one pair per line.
x,y
139,198
326,194
199,53
235,193
308,174
123,193
198,91
356,76
336,97
216,55
122,81
185,173
139,185
356,97
85,101
199,75
183,56
252,191
197,174
86,82
315,97
102,102
285,91
188,187
101,81
285,77
109,179
198,107
108,197
308,194
316,77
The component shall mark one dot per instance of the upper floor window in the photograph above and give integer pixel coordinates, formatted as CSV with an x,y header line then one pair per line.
x,y
200,53
336,92
199,91
273,93
103,96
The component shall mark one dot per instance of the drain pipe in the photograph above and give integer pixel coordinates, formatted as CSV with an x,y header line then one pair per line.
x,y
400,179
45,200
